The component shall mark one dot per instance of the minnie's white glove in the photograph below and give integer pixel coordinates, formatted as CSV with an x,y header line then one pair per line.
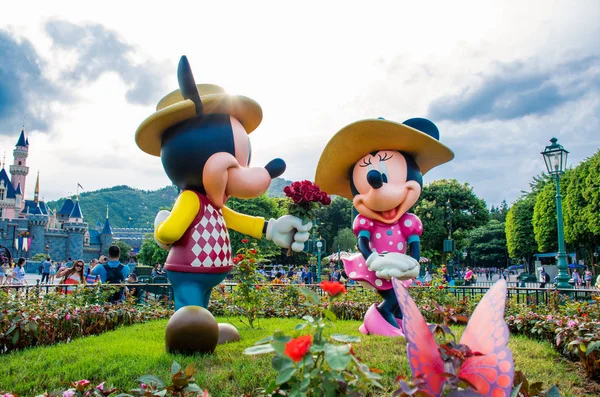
x,y
281,232
393,264
160,218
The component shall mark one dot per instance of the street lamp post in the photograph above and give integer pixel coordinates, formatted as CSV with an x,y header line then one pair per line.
x,y
555,157
319,247
47,250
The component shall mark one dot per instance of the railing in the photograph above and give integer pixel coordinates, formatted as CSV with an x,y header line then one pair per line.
x,y
165,291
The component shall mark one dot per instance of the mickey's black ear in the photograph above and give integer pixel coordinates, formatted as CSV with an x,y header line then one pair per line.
x,y
425,126
187,85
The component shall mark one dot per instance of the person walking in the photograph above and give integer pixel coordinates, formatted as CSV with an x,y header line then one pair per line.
x,y
91,278
576,279
113,272
544,278
46,270
588,278
468,276
18,273
52,272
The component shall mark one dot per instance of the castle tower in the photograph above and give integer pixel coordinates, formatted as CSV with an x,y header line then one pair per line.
x,y
37,229
19,169
106,235
76,230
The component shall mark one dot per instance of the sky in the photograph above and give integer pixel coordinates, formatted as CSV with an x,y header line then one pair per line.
x,y
499,79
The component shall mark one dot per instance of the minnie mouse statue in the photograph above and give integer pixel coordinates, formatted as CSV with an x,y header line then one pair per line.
x,y
379,165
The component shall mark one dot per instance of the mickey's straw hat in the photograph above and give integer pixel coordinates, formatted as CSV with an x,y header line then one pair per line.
x,y
192,100
417,137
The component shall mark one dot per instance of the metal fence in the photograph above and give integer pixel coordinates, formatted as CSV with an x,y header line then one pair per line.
x,y
164,290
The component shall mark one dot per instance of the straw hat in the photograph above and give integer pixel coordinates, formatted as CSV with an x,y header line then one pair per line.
x,y
192,100
417,137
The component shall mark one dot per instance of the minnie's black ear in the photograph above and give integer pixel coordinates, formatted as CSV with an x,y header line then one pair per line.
x,y
425,126
187,85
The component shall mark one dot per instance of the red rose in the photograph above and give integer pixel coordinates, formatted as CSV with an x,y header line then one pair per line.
x,y
235,260
441,287
240,256
244,240
253,251
333,288
326,200
297,348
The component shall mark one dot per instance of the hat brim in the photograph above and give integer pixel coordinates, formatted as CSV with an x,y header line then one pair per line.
x,y
358,139
149,134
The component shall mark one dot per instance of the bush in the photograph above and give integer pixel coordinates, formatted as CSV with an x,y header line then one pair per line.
x,y
34,320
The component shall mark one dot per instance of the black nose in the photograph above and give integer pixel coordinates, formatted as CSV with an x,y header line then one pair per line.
x,y
375,179
275,167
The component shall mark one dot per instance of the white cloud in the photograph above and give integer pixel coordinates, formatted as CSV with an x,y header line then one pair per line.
x,y
314,67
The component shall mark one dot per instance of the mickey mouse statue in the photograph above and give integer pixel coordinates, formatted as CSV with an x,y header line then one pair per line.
x,y
379,165
201,135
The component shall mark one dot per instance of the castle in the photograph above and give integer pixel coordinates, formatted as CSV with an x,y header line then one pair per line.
x,y
29,227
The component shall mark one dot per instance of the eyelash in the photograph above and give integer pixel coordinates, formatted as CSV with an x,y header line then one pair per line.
x,y
386,158
366,163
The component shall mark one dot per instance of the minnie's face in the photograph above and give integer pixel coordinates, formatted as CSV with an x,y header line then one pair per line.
x,y
384,194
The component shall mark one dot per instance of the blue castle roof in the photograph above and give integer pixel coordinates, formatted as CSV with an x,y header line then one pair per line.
x,y
22,141
67,208
31,207
95,237
10,190
106,229
76,211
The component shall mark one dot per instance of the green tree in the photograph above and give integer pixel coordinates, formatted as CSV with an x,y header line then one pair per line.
x,y
520,238
346,239
487,245
499,213
150,253
332,219
467,212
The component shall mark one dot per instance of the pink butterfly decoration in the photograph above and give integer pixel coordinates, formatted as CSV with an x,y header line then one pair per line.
x,y
491,373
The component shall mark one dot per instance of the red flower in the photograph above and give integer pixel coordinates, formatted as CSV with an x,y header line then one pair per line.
x,y
244,240
240,256
584,314
333,288
235,260
297,348
252,260
253,251
441,287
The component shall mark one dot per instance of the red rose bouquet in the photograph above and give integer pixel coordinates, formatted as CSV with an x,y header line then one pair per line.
x,y
306,199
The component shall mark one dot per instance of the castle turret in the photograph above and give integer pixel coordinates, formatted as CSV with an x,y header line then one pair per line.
x,y
37,229
19,169
36,192
106,235
76,230
76,215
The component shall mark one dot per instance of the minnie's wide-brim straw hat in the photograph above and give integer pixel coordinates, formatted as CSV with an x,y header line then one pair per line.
x,y
417,137
192,100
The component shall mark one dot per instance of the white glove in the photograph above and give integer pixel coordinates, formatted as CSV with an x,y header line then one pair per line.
x,y
160,218
393,264
281,232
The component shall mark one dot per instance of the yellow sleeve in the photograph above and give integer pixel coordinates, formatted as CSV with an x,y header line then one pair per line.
x,y
246,224
184,211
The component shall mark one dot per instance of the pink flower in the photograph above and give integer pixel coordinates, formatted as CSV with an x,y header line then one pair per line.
x,y
549,317
69,393
68,317
8,395
571,323
143,386
83,382
101,386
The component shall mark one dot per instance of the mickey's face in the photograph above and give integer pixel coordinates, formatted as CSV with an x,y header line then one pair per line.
x,y
384,194
211,155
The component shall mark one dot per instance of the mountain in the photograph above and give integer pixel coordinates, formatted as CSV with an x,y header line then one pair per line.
x,y
129,207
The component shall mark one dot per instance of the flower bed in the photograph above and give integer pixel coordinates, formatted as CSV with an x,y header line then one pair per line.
x,y
37,320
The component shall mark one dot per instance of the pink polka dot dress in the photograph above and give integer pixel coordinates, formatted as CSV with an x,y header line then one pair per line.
x,y
383,237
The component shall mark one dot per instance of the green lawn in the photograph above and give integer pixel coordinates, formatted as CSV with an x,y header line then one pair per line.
x,y
122,355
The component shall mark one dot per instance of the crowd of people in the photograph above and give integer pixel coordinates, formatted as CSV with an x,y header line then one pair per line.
x,y
105,270
301,274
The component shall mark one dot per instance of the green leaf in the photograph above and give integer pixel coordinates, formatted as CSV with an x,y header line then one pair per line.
x,y
338,357
285,375
281,362
345,338
515,391
193,387
175,367
310,295
329,315
265,340
15,338
582,347
553,392
279,346
260,349
309,318
299,327
151,380
592,346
